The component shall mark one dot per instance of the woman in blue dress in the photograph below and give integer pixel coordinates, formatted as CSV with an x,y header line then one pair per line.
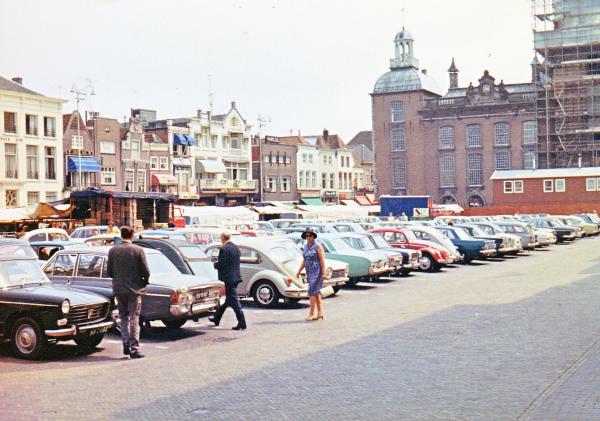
x,y
314,263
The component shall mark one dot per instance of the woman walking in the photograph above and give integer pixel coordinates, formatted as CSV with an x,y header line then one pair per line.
x,y
314,263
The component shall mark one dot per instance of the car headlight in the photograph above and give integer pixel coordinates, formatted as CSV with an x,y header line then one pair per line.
x,y
65,307
329,272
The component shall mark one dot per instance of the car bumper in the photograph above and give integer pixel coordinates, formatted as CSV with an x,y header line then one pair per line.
x,y
335,281
489,252
179,311
73,331
446,261
377,271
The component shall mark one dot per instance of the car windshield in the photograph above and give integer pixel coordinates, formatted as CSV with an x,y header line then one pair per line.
x,y
203,268
576,220
21,272
340,244
380,242
487,229
193,253
477,231
17,250
285,253
159,264
359,244
594,218
461,233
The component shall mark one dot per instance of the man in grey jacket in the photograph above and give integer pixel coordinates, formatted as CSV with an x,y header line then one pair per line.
x,y
128,267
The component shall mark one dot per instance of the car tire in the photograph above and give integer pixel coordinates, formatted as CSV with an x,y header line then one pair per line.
x,y
427,264
265,294
336,289
174,324
28,339
405,272
351,282
289,300
89,342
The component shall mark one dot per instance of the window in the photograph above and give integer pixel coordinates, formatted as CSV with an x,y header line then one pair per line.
x,y
473,136
304,158
447,171
590,184
10,160
529,160
508,187
164,163
154,162
10,122
501,134
90,266
267,159
548,186
280,159
530,134
559,185
475,169
288,159
272,184
399,173
514,186
64,265
129,174
10,198
397,111
51,196
313,179
50,159
398,139
518,186
236,142
49,127
502,159
301,179
31,126
141,180
332,181
446,137
135,150
109,176
286,184
324,180
106,146
33,198
310,159
248,255
32,162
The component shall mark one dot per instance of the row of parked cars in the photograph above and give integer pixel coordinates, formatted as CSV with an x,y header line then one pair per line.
x,y
54,286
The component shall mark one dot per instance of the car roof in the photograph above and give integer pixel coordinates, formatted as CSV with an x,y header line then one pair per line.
x,y
54,243
100,250
91,227
13,258
12,241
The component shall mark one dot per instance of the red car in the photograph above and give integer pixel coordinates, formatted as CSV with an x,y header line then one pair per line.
x,y
433,257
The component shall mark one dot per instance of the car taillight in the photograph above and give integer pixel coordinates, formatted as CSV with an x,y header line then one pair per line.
x,y
174,298
221,292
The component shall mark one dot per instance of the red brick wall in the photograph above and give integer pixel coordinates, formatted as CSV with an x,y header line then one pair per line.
x,y
564,208
533,192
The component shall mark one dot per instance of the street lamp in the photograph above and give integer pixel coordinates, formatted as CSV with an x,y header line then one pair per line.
x,y
77,141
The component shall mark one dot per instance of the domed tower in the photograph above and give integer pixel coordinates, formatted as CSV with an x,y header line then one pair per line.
x,y
403,42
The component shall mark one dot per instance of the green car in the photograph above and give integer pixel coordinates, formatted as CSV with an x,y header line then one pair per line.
x,y
363,265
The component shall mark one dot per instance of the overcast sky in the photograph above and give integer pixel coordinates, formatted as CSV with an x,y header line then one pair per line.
x,y
308,64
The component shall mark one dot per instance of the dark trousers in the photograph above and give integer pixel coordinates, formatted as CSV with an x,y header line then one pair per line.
x,y
130,307
231,300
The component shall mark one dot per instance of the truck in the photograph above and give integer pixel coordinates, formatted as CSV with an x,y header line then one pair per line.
x,y
415,207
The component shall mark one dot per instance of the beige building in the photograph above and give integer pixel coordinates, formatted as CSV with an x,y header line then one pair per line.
x,y
31,151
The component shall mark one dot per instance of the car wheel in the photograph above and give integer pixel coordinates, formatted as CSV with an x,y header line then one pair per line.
x,y
352,281
174,324
426,263
89,342
265,294
289,300
405,272
336,289
28,339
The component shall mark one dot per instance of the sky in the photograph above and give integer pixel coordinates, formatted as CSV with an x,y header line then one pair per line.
x,y
305,65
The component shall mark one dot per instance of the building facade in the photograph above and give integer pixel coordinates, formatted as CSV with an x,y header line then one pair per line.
x,y
31,151
275,168
105,133
447,146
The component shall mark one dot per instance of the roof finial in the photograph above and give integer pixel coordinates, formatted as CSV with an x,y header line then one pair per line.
x,y
453,68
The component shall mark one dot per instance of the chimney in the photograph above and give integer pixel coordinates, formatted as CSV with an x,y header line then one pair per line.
x,y
453,73
325,134
232,104
579,160
199,113
299,132
18,80
424,71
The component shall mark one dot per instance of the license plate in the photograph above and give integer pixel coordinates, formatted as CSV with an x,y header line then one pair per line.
x,y
202,294
98,330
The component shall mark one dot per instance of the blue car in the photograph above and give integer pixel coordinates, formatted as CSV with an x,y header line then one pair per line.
x,y
471,248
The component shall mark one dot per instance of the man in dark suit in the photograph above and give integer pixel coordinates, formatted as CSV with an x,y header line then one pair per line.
x,y
128,267
228,267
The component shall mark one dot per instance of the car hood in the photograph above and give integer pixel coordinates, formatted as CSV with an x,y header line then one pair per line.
x,y
180,280
356,253
55,294
336,264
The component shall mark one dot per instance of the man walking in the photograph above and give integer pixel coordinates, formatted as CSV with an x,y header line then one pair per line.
x,y
128,267
228,267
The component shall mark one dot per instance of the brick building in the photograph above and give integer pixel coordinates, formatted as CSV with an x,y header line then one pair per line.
x,y
105,133
447,146
82,164
274,167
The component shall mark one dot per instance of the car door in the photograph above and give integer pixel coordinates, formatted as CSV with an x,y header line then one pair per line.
x,y
89,274
61,269
250,264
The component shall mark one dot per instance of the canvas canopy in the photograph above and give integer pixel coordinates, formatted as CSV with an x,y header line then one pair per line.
x,y
335,211
274,210
213,215
41,211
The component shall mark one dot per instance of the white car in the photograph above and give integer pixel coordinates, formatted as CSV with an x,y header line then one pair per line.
x,y
46,234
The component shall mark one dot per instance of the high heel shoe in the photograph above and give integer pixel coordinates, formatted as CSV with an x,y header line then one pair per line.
x,y
319,317
310,318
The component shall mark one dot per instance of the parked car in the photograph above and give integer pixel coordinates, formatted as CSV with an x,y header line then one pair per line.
x,y
171,296
34,313
502,244
561,231
280,224
588,228
590,218
579,233
433,257
431,235
10,247
365,242
46,249
269,270
523,230
470,247
46,234
514,241
89,231
411,259
103,240
349,227
320,228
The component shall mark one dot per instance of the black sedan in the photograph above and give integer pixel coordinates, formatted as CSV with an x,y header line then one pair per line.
x,y
171,296
34,313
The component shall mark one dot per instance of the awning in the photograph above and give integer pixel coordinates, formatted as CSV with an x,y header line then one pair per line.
x,y
83,164
190,140
164,179
211,166
371,198
363,200
96,192
349,202
180,139
312,201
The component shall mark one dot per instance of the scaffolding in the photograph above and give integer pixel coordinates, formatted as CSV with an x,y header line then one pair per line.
x,y
567,71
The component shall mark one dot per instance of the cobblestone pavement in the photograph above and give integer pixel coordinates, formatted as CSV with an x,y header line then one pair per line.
x,y
512,339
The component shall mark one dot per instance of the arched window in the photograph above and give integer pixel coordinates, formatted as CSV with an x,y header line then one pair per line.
x,y
398,140
446,137
448,199
475,200
473,136
447,171
501,134
530,133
